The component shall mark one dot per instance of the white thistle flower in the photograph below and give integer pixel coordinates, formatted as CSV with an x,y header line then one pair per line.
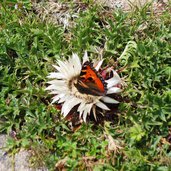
x,y
66,90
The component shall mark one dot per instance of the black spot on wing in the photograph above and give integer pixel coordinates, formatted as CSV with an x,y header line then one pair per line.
x,y
91,79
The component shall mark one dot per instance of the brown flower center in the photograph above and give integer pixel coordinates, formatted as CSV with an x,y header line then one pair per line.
x,y
74,91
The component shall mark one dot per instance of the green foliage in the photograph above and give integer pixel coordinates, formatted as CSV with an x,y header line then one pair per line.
x,y
140,43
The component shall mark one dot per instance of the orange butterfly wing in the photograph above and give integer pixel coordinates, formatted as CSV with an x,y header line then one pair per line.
x,y
90,81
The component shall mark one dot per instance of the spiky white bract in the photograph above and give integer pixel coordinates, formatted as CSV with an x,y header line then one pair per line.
x,y
62,86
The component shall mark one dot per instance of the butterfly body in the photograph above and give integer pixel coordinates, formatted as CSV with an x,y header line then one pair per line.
x,y
90,81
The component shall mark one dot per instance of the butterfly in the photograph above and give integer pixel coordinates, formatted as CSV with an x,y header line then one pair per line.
x,y
90,81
